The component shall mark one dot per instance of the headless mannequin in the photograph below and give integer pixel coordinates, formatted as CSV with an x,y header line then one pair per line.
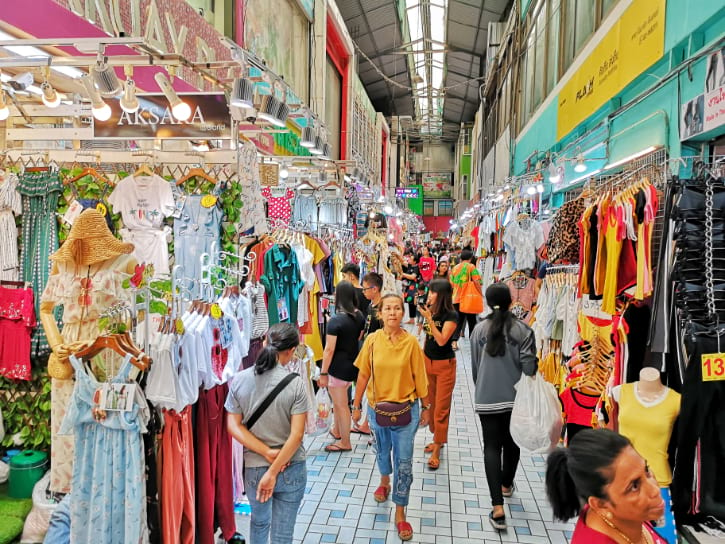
x,y
76,334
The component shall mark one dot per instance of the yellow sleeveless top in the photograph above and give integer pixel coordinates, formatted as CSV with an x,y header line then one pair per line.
x,y
649,427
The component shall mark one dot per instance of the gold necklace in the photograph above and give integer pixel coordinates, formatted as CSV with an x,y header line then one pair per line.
x,y
646,537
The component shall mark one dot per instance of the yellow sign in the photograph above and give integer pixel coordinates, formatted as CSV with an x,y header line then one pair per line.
x,y
634,43
713,367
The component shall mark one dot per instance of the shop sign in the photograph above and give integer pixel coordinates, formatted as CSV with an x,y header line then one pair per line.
x,y
706,111
713,367
633,44
164,24
437,185
407,192
210,119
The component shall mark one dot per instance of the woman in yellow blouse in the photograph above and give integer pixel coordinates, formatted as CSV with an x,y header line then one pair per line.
x,y
392,369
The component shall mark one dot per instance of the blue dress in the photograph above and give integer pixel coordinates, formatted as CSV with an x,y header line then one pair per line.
x,y
108,497
194,233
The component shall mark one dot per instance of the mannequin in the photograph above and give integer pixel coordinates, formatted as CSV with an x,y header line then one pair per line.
x,y
86,279
647,413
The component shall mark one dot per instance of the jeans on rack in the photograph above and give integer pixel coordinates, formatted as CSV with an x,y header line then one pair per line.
x,y
500,454
273,521
396,441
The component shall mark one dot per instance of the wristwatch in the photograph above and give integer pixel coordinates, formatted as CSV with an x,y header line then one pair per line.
x,y
358,408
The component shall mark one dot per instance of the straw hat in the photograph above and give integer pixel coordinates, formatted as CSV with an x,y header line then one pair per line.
x,y
90,241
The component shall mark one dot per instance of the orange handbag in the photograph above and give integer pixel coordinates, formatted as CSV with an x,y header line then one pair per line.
x,y
471,298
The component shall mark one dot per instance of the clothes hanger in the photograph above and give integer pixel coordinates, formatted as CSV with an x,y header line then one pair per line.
x,y
111,342
144,170
89,171
196,173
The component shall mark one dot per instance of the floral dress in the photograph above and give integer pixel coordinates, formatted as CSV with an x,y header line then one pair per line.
x,y
10,207
108,503
83,307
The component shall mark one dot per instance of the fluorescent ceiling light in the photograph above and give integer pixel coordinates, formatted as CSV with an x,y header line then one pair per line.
x,y
632,157
580,178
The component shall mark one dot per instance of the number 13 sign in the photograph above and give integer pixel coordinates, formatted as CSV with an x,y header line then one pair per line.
x,y
713,367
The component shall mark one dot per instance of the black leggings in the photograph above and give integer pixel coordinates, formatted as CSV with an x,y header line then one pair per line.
x,y
497,443
412,310
462,320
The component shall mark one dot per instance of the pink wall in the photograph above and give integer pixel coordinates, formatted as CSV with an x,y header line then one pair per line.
x,y
434,225
52,19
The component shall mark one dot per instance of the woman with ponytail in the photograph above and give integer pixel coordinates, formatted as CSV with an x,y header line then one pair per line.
x,y
603,480
271,436
502,347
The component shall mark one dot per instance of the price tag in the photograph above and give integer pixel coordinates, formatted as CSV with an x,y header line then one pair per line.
x,y
713,367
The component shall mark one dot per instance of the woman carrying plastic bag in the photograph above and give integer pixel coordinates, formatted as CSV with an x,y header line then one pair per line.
x,y
502,347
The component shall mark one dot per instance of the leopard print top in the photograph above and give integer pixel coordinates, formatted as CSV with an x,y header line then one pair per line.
x,y
563,244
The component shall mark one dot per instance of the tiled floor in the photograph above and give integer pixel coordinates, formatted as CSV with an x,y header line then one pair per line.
x,y
448,506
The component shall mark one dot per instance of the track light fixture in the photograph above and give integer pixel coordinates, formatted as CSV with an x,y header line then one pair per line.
x,y
318,147
101,111
326,150
273,110
105,78
4,110
308,134
49,97
242,93
554,175
129,103
179,109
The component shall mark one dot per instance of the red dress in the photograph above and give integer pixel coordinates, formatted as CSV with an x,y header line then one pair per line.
x,y
587,535
17,319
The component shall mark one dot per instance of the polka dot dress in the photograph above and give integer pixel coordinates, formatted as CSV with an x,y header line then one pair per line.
x,y
279,207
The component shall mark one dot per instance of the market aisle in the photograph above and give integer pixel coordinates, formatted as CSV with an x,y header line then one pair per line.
x,y
449,506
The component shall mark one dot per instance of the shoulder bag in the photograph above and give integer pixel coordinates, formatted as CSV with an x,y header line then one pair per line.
x,y
270,398
389,414
471,299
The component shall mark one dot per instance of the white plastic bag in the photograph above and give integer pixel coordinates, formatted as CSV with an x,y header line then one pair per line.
x,y
323,412
536,418
38,520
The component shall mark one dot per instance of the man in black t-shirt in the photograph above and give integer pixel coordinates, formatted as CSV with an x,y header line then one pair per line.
x,y
372,289
351,272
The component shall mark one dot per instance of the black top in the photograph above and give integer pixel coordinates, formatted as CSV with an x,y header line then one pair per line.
x,y
361,303
432,350
372,320
347,328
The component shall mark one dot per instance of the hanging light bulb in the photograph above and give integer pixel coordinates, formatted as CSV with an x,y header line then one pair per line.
x,y
49,97
105,78
4,110
539,188
531,190
100,110
129,103
554,175
179,109
580,164
283,172
388,209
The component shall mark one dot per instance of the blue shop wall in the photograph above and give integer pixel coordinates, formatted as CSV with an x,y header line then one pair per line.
x,y
652,118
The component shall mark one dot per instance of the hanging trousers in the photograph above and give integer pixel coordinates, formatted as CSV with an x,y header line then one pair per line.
x,y
214,497
441,382
176,458
498,444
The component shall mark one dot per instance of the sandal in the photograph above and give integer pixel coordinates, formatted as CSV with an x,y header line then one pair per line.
x,y
510,491
434,463
358,430
381,493
429,447
405,530
336,437
335,448
497,523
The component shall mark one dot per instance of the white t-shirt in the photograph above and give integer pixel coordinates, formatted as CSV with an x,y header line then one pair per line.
x,y
143,201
